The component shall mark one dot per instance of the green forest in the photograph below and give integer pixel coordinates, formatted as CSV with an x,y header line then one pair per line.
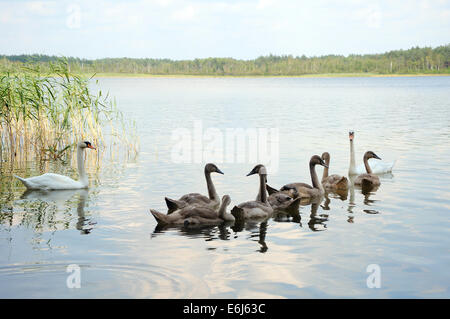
x,y
416,60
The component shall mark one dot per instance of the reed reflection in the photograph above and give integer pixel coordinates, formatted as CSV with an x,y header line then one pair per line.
x,y
61,201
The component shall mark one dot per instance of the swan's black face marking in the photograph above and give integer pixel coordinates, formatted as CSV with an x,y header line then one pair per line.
x,y
89,145
351,135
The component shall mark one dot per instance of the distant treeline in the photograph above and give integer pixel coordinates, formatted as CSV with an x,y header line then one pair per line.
x,y
414,60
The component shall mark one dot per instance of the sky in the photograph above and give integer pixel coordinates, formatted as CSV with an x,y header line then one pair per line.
x,y
244,29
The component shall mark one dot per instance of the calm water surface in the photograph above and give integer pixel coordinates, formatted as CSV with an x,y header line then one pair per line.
x,y
324,252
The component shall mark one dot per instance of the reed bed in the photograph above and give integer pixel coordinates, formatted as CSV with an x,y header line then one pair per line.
x,y
44,114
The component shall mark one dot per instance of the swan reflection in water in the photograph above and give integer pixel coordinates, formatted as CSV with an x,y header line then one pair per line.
x,y
61,198
286,216
259,233
258,228
367,192
317,222
224,231
368,201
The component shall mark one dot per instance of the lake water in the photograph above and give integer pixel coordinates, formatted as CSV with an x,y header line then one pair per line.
x,y
403,227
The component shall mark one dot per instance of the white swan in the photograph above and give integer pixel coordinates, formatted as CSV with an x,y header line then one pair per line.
x,y
50,181
377,167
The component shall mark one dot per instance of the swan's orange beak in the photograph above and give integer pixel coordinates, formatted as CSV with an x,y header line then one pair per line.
x,y
351,135
91,147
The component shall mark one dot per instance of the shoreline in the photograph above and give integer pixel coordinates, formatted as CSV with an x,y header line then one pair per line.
x,y
326,75
193,76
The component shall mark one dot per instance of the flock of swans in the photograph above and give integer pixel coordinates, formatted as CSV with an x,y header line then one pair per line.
x,y
198,209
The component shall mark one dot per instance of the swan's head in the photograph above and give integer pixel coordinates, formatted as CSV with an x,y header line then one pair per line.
x,y
212,168
370,154
317,160
86,144
226,199
283,198
258,169
326,157
351,135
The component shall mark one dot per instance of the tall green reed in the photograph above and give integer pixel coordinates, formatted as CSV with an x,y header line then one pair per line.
x,y
44,113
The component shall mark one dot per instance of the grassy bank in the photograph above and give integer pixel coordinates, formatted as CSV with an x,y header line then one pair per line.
x,y
325,75
322,75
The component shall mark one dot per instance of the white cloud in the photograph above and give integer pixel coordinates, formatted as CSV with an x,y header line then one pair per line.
x,y
43,8
5,16
186,14
181,29
262,4
372,16
162,3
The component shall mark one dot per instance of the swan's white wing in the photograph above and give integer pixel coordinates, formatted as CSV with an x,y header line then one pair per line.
x,y
382,168
377,167
52,181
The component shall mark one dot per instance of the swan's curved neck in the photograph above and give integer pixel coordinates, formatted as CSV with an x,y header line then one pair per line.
x,y
366,164
211,189
314,178
80,163
352,168
223,209
223,212
325,169
262,195
258,197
